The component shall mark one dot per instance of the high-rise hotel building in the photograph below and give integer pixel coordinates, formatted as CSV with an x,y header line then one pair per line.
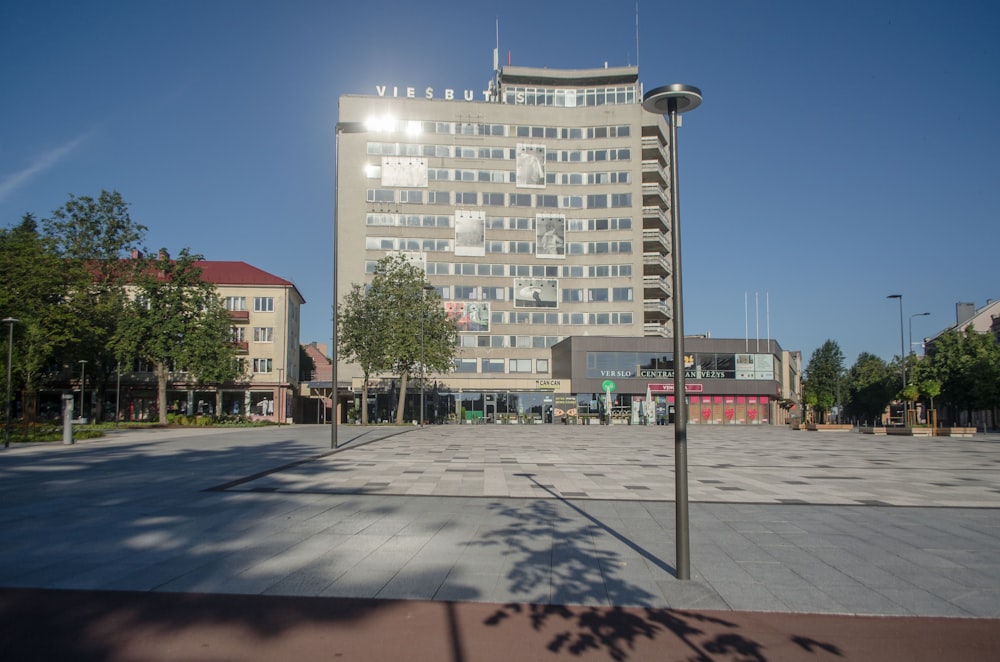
x,y
539,209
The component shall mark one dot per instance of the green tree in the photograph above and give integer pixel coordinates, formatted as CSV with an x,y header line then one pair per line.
x,y
870,388
405,322
358,340
100,235
967,365
177,321
37,290
823,377
930,388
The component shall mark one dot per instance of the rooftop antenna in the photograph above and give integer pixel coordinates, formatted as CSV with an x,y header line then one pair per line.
x,y
636,34
495,83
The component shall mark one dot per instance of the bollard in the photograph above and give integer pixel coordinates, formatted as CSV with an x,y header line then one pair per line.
x,y
67,400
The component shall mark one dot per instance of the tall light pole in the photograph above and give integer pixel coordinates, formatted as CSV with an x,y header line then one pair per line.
x,y
83,385
671,101
902,351
341,128
423,318
911,328
279,395
10,322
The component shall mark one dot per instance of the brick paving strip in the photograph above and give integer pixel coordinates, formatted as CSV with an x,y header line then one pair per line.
x,y
161,627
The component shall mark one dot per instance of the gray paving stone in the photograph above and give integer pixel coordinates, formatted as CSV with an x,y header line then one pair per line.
x,y
481,513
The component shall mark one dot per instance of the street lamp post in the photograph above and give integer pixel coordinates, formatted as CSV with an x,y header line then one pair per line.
x,y
10,322
341,128
671,101
902,353
278,396
423,318
83,385
911,328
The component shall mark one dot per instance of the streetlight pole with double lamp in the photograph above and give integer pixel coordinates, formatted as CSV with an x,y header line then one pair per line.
x,y
83,386
423,373
10,322
902,352
340,129
670,101
279,396
911,328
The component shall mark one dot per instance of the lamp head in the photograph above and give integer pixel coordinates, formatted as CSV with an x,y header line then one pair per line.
x,y
677,97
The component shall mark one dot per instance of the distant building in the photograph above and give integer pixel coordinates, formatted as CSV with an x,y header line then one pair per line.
x,y
982,320
539,210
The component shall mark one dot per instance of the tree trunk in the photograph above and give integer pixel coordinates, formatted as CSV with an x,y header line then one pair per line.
x,y
364,401
162,374
403,378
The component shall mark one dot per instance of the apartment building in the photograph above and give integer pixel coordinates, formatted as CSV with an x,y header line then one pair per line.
x,y
265,315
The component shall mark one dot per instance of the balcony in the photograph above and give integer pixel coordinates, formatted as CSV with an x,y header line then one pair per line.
x,y
655,264
655,195
654,218
239,315
241,346
653,172
655,310
656,287
655,241
657,330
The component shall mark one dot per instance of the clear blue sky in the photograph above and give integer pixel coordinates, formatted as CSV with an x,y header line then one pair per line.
x,y
844,151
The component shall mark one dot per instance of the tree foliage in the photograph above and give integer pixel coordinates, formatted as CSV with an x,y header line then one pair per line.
x,y
822,381
396,325
100,236
176,321
967,366
870,388
39,289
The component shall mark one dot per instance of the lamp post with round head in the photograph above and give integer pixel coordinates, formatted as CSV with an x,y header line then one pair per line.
x,y
10,322
670,101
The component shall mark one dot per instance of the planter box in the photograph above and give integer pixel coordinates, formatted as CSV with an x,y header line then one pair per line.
x,y
911,432
821,427
877,430
955,432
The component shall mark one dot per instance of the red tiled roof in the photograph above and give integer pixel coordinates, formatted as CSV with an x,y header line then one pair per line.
x,y
322,369
220,272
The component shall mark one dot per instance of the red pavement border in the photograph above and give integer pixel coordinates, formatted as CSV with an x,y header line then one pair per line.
x,y
38,624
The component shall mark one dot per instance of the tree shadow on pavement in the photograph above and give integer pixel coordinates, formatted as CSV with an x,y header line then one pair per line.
x,y
569,583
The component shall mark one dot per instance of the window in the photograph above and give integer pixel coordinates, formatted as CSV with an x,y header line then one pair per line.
x,y
263,334
597,201
465,292
237,333
520,365
236,303
261,366
542,365
622,294
263,304
465,365
597,294
493,365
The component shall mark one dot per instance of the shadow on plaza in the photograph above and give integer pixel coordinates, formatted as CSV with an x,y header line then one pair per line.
x,y
567,555
86,507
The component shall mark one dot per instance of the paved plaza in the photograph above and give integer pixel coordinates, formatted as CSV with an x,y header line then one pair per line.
x,y
781,520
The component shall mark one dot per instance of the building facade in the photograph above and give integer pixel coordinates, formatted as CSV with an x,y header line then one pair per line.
x,y
539,210
264,312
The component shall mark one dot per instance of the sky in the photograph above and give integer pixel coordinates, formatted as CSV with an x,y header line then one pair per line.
x,y
844,151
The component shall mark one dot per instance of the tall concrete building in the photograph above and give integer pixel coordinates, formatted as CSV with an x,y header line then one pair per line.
x,y
539,209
